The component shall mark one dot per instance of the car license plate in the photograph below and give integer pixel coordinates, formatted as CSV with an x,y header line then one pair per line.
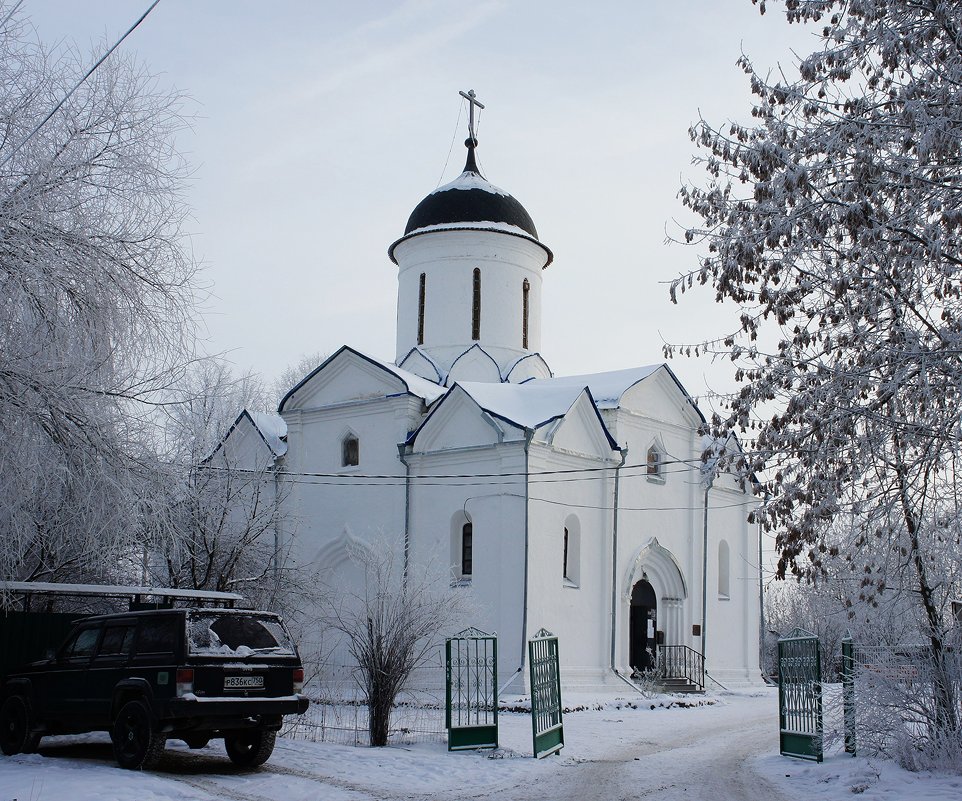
x,y
243,682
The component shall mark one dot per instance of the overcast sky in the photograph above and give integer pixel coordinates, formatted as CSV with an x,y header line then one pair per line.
x,y
320,125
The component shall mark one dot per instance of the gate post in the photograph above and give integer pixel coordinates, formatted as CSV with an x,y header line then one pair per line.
x,y
800,696
546,723
471,690
848,692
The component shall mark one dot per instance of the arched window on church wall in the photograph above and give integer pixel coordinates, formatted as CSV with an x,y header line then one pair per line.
x,y
655,470
571,552
525,289
467,550
350,451
724,570
421,292
462,548
476,306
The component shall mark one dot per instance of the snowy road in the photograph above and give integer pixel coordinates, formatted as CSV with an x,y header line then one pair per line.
x,y
612,753
625,750
708,763
711,763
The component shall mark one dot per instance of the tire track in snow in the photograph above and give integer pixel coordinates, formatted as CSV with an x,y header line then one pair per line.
x,y
711,763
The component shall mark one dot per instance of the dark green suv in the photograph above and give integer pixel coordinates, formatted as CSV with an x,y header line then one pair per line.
x,y
191,674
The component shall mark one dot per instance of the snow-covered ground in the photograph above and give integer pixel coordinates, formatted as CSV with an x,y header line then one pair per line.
x,y
724,750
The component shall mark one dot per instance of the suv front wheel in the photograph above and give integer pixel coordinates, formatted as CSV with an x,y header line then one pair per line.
x,y
137,744
250,748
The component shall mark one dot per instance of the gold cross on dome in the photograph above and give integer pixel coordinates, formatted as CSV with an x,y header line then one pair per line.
x,y
472,102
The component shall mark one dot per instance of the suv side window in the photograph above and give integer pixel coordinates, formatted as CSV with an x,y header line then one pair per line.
x,y
159,636
81,645
117,641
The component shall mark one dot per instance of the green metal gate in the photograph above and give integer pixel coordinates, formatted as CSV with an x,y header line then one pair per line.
x,y
472,690
546,723
800,696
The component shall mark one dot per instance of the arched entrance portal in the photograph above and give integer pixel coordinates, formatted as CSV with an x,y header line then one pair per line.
x,y
642,625
655,593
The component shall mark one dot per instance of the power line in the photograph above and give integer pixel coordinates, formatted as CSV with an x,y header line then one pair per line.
x,y
77,85
454,137
711,507
688,463
13,11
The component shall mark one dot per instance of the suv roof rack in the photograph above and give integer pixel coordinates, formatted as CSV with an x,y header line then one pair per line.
x,y
136,596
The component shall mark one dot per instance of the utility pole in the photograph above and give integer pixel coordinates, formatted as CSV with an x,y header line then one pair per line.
x,y
708,472
704,572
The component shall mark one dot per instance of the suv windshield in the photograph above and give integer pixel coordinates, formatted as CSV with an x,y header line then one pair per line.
x,y
233,633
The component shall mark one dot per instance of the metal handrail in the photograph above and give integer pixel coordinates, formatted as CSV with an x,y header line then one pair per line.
x,y
682,662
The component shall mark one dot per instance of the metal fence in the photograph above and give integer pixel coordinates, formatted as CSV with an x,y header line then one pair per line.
x,y
682,662
339,714
899,701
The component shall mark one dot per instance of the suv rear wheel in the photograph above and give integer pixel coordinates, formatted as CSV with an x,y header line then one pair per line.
x,y
137,744
16,719
250,748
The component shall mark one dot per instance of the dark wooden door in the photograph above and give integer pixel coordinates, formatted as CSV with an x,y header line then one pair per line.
x,y
642,624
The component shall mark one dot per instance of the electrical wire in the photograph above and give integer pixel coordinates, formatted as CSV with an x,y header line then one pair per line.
x,y
12,11
77,85
528,474
454,136
711,507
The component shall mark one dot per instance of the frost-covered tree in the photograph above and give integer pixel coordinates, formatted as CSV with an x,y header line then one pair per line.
x,y
293,374
95,296
391,626
834,223
211,516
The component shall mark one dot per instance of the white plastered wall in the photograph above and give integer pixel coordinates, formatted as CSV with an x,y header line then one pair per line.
x,y
448,260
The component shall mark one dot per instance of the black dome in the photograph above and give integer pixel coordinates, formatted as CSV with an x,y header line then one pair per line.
x,y
453,204
470,202
470,199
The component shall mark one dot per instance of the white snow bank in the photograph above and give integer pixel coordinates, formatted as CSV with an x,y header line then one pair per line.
x,y
841,776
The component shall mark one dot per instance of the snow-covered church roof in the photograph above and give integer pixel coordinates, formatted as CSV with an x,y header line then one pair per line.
x,y
606,388
272,428
422,387
523,404
415,384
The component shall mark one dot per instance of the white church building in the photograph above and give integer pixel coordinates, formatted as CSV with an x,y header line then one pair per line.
x,y
575,504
